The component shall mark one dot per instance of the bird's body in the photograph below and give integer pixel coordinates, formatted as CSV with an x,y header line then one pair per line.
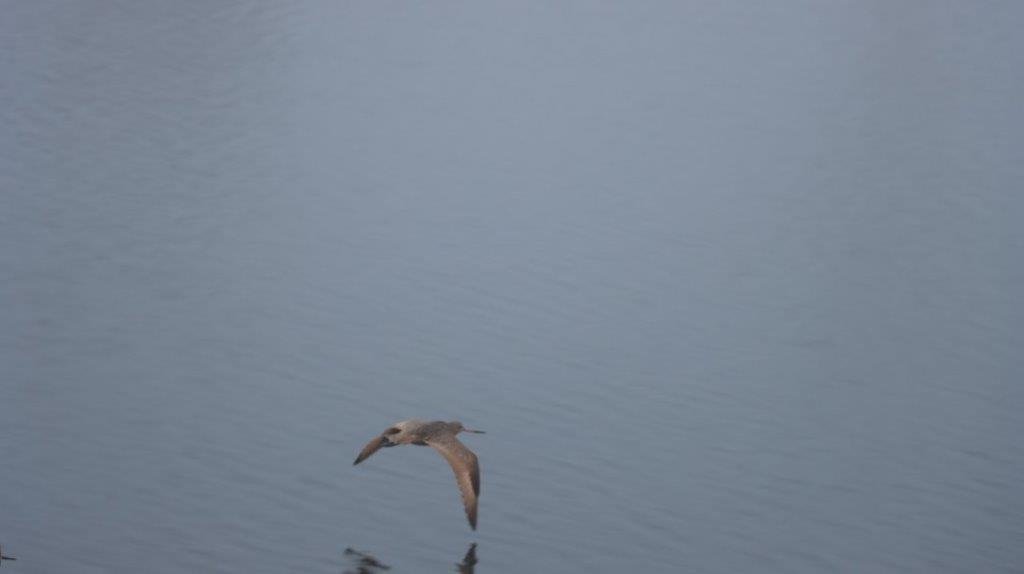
x,y
441,436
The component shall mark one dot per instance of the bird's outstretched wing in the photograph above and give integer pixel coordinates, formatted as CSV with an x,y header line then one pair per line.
x,y
370,448
466,468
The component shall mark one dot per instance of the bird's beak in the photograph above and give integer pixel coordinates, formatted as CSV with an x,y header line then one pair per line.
x,y
474,431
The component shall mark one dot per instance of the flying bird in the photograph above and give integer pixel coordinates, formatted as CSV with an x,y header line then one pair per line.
x,y
441,436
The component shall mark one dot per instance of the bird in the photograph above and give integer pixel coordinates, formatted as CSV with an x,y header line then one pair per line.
x,y
441,436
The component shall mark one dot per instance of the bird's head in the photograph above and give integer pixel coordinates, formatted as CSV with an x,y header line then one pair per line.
x,y
399,433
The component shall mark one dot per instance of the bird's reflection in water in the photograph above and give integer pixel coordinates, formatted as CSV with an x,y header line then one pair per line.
x,y
468,561
368,564
364,563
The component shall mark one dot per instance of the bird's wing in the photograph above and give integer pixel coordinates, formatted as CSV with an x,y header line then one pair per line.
x,y
370,448
467,471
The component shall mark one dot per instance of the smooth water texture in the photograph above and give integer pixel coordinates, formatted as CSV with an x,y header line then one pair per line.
x,y
732,287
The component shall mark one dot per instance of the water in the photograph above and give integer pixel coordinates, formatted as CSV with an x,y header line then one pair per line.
x,y
732,288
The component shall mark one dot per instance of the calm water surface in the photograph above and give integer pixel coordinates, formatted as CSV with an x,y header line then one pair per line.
x,y
732,287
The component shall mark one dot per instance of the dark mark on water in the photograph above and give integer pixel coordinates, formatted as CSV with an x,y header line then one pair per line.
x,y
469,561
365,563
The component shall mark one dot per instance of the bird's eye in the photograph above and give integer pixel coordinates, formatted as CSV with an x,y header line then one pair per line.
x,y
391,430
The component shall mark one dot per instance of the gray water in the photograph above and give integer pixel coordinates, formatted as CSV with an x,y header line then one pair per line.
x,y
732,287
